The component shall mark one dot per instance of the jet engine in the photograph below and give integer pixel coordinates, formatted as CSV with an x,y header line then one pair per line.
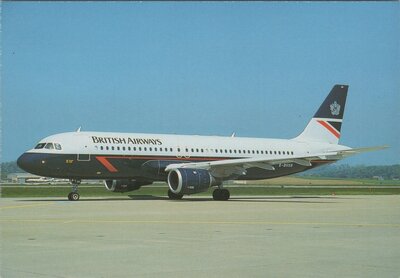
x,y
190,181
124,185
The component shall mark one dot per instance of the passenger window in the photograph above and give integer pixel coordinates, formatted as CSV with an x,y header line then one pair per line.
x,y
279,152
49,146
202,150
253,152
118,148
140,148
274,152
101,147
107,148
216,151
155,149
112,148
145,149
257,152
129,148
170,149
150,149
179,149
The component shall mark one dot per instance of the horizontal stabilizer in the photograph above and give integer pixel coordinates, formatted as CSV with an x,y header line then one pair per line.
x,y
362,150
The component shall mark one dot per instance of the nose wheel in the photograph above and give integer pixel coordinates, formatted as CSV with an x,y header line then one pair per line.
x,y
74,195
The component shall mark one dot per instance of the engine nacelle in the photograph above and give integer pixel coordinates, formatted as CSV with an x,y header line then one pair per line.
x,y
124,185
190,181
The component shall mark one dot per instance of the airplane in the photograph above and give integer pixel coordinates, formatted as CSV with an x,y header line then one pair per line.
x,y
189,164
40,180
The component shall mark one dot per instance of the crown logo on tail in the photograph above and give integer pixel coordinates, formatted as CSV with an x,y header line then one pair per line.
x,y
335,108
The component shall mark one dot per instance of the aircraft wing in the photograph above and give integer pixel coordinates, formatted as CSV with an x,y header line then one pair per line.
x,y
227,167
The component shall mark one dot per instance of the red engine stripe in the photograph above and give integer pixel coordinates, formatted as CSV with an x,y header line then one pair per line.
x,y
330,128
106,164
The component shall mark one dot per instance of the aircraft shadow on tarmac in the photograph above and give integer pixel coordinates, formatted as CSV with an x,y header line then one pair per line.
x,y
266,199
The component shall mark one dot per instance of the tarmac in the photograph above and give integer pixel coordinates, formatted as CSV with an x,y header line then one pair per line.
x,y
145,236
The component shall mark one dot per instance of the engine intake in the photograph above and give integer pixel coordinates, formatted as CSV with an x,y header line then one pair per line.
x,y
124,185
190,181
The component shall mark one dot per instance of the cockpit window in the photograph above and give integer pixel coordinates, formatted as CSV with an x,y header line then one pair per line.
x,y
40,146
57,146
49,146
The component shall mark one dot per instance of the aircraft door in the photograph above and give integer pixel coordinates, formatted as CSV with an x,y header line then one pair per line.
x,y
83,157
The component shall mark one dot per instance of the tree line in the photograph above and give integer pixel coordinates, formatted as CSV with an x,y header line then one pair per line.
x,y
355,172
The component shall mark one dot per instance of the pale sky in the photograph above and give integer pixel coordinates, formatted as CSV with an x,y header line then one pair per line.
x,y
260,69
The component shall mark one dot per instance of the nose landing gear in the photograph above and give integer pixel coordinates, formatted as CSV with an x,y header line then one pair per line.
x,y
74,195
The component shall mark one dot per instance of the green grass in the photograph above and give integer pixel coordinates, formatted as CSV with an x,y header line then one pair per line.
x,y
361,181
99,191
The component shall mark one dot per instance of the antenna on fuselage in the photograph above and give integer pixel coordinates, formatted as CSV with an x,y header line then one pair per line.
x,y
233,134
79,129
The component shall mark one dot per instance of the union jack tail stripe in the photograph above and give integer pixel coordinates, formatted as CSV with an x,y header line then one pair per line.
x,y
332,127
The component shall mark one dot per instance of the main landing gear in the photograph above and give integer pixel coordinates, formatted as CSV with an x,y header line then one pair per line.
x,y
74,195
174,196
221,194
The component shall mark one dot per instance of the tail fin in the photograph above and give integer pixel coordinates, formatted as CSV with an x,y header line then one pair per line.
x,y
325,126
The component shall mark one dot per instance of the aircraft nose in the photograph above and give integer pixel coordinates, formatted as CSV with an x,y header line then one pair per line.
x,y
23,162
31,163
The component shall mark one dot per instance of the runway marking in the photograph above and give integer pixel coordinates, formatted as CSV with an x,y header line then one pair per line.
x,y
27,206
72,221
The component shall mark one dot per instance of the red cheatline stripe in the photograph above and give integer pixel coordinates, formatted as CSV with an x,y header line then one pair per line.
x,y
330,128
104,160
106,164
166,158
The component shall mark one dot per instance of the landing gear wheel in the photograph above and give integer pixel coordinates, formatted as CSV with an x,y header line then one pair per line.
x,y
73,196
174,196
221,194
